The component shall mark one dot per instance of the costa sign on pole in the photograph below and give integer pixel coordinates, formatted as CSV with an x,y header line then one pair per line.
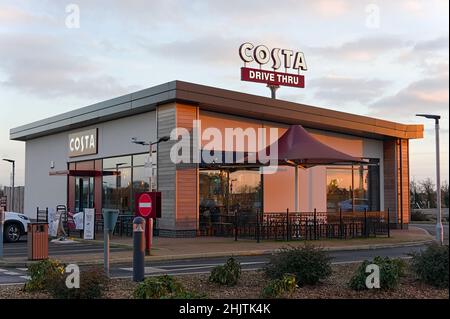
x,y
275,58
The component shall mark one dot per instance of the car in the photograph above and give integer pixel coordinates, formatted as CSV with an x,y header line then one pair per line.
x,y
16,225
360,205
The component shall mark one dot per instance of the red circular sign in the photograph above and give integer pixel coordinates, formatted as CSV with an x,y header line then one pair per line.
x,y
145,205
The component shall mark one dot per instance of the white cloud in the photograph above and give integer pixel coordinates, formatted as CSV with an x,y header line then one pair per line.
x,y
341,90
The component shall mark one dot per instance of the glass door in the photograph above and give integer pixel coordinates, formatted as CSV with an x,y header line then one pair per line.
x,y
84,193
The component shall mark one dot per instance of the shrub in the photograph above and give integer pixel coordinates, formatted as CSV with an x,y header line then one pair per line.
x,y
278,287
419,216
93,285
227,274
186,295
158,287
41,273
431,265
390,272
308,264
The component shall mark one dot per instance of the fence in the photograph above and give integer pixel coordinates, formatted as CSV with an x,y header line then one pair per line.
x,y
299,225
17,205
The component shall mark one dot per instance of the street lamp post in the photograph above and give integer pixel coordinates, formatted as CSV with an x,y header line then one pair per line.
x,y
13,162
149,223
150,145
439,228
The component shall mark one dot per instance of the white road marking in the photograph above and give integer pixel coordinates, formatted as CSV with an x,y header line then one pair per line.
x,y
2,270
147,270
12,273
26,277
22,269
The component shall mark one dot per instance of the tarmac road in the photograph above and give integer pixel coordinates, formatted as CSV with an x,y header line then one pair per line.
x,y
431,228
204,265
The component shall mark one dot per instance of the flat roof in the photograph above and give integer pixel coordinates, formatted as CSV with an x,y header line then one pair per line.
x,y
218,100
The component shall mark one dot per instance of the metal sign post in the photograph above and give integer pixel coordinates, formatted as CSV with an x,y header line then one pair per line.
x,y
109,222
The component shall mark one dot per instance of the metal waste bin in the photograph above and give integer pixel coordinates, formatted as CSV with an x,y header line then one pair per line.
x,y
37,241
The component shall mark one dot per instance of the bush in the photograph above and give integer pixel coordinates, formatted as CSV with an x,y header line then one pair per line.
x,y
419,216
308,264
93,285
390,272
278,287
227,274
431,265
158,287
42,273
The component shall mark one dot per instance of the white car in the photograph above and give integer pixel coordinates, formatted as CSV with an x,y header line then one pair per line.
x,y
16,225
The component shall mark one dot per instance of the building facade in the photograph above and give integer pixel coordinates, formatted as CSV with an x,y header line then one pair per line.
x,y
95,142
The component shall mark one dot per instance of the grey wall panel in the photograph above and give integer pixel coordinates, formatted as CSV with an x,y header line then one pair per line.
x,y
114,139
166,169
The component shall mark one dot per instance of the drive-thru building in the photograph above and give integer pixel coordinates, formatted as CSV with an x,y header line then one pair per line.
x,y
86,159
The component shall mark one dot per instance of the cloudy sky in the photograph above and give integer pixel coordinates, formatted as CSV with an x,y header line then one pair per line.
x,y
386,59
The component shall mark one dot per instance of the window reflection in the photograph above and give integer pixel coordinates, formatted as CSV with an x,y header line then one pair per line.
x,y
222,192
131,176
353,188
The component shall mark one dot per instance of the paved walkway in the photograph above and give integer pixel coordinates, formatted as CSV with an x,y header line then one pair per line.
x,y
182,248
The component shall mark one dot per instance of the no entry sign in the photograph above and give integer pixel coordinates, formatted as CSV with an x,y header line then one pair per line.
x,y
148,204
145,205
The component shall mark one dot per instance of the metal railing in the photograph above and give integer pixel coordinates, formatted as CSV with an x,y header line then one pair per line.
x,y
299,225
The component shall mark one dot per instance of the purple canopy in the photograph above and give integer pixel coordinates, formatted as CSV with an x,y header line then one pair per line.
x,y
298,147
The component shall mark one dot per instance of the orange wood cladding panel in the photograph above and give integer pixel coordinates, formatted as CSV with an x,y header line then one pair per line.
x,y
187,204
186,177
396,179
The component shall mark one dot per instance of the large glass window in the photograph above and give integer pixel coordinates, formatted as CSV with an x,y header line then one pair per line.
x,y
353,188
224,191
131,175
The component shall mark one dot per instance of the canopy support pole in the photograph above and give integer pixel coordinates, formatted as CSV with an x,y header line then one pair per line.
x,y
296,189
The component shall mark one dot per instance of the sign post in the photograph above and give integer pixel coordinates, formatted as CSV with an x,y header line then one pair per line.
x,y
148,206
109,222
145,207
277,59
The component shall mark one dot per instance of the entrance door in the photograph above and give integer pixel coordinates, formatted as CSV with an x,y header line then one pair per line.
x,y
84,193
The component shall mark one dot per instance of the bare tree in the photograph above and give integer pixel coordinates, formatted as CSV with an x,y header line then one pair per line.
x,y
444,194
415,193
428,189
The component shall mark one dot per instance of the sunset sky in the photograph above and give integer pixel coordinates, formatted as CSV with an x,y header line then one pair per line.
x,y
385,59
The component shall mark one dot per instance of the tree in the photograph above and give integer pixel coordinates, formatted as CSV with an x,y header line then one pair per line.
x,y
428,189
444,194
415,193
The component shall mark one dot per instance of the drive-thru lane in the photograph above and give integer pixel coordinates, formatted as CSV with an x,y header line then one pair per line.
x,y
204,265
19,249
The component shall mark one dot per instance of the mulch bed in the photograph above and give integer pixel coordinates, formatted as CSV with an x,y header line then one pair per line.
x,y
251,284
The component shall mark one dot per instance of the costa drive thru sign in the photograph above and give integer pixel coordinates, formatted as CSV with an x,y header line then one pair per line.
x,y
275,58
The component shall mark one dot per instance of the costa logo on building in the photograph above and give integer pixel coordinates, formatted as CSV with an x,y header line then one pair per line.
x,y
276,58
83,143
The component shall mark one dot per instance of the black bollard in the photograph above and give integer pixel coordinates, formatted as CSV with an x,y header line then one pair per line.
x,y
138,249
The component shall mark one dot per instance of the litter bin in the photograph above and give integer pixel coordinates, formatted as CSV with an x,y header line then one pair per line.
x,y
37,241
